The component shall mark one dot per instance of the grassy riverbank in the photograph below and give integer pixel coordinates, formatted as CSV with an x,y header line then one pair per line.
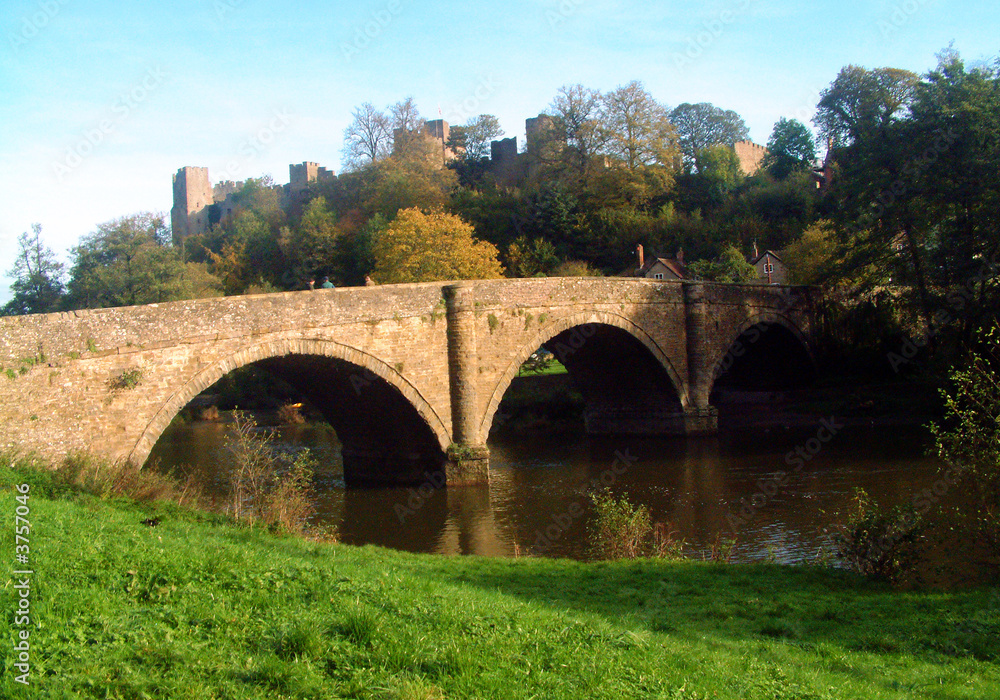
x,y
195,606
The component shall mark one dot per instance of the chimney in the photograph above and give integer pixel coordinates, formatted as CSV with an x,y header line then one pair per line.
x,y
680,256
638,252
755,250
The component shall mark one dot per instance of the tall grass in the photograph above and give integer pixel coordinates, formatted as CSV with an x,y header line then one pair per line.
x,y
264,486
122,478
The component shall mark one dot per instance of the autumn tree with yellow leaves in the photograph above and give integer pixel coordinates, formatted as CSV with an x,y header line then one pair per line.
x,y
425,247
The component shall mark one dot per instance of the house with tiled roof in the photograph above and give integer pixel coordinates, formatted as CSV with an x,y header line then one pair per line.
x,y
657,268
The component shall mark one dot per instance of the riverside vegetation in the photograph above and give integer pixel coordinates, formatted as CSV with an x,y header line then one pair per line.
x,y
137,594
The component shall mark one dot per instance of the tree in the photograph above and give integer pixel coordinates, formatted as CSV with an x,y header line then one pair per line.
x,y
37,286
419,247
954,166
479,133
577,125
639,129
916,189
369,137
407,127
530,258
409,179
730,266
859,102
702,125
309,247
716,179
791,147
810,258
125,262
863,115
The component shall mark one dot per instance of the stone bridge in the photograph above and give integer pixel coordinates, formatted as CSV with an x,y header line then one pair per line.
x,y
410,376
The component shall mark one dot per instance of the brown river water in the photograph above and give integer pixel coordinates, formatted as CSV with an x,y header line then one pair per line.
x,y
775,490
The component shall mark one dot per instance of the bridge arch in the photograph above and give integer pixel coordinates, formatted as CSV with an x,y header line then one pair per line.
x,y
371,368
754,326
566,323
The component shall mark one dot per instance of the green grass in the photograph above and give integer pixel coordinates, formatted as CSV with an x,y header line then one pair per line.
x,y
554,367
198,607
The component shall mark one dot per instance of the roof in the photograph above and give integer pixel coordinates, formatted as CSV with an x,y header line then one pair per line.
x,y
754,261
675,266
672,265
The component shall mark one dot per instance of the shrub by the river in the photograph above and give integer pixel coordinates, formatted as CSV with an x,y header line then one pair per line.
x,y
264,485
621,530
885,545
968,441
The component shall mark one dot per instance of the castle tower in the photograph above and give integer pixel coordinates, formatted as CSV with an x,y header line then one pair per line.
x,y
299,176
192,198
750,155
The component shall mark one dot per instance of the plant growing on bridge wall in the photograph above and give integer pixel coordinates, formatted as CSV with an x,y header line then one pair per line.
x,y
128,379
24,366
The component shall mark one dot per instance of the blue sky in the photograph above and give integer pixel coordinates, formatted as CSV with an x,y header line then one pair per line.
x,y
103,101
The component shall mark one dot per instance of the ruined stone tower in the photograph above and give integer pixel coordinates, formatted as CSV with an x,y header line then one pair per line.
x,y
193,196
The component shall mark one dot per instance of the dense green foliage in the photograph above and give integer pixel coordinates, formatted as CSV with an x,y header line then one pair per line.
x,y
790,148
915,190
132,600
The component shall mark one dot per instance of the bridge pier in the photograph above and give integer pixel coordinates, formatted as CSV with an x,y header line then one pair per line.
x,y
701,421
699,417
468,457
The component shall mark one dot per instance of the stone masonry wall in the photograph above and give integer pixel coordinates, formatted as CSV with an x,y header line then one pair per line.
x,y
109,381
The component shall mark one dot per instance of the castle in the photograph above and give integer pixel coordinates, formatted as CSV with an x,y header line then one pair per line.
x,y
198,204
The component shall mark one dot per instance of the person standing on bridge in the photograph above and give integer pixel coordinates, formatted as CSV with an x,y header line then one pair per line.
x,y
369,282
326,283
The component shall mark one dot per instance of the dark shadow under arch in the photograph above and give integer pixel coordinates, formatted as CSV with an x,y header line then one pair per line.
x,y
767,353
388,431
627,382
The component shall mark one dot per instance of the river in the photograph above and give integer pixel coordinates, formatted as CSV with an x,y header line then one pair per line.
x,y
774,490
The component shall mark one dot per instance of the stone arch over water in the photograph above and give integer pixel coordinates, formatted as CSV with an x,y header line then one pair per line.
x,y
597,348
389,431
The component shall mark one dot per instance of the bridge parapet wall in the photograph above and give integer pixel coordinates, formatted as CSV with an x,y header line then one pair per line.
x,y
131,328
